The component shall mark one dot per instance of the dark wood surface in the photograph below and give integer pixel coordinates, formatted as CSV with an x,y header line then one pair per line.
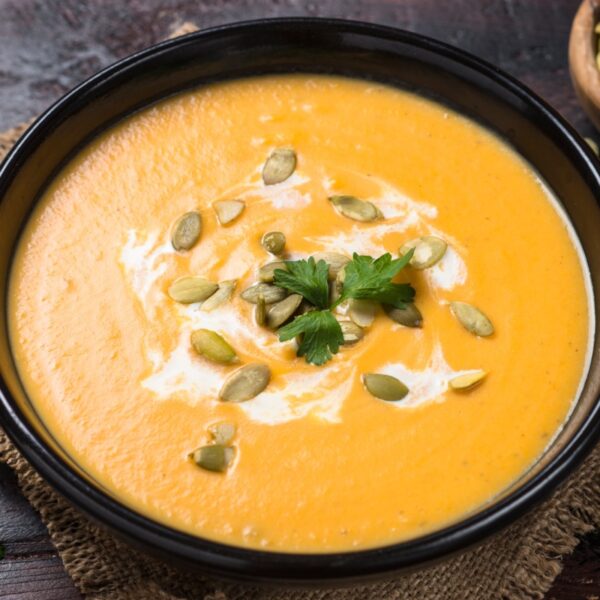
x,y
48,46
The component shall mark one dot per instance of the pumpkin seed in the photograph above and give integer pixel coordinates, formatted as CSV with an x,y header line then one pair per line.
x,y
228,210
245,383
280,312
279,166
362,312
271,293
353,208
273,242
467,381
340,278
260,311
352,332
472,319
409,316
335,292
222,432
215,457
222,295
385,387
429,250
211,345
593,145
334,260
306,306
266,273
188,290
186,231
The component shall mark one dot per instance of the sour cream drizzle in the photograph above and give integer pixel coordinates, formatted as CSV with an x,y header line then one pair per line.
x,y
179,374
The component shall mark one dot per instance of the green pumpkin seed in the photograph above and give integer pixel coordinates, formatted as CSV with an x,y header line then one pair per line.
x,y
211,345
245,383
385,387
186,231
472,319
188,290
340,278
306,306
266,273
362,312
222,432
353,208
429,250
260,311
409,316
222,295
273,242
593,145
352,332
215,457
280,312
279,166
228,210
271,293
467,381
335,292
335,261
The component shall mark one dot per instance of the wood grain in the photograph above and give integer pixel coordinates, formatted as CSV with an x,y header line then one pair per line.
x,y
31,568
48,46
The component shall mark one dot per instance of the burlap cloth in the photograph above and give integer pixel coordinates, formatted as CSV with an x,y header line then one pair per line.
x,y
519,563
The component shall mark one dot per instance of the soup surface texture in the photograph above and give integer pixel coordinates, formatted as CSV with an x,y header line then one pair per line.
x,y
320,464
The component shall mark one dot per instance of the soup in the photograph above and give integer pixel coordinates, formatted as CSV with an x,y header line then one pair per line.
x,y
388,391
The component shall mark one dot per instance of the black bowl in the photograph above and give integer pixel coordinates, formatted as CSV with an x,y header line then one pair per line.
x,y
398,58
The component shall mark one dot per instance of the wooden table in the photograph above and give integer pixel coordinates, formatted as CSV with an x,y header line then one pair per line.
x,y
48,46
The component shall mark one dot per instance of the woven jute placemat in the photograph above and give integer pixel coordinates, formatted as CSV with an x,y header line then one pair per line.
x,y
519,563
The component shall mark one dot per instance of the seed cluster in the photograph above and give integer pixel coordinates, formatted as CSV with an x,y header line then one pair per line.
x,y
274,306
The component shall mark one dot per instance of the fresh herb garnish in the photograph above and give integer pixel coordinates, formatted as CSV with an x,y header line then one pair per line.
x,y
307,278
365,278
321,335
371,279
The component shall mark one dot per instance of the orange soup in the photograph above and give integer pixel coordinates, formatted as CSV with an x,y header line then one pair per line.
x,y
405,361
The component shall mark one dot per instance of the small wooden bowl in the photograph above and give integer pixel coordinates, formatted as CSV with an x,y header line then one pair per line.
x,y
583,48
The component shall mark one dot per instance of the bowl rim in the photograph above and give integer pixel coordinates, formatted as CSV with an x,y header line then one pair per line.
x,y
280,567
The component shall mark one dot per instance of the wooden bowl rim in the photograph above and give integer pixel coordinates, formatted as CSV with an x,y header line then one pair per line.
x,y
582,54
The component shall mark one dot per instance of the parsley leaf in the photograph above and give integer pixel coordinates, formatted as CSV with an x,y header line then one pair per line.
x,y
321,335
305,277
365,278
371,279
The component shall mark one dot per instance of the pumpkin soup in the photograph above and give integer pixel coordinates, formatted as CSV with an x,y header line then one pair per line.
x,y
301,313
